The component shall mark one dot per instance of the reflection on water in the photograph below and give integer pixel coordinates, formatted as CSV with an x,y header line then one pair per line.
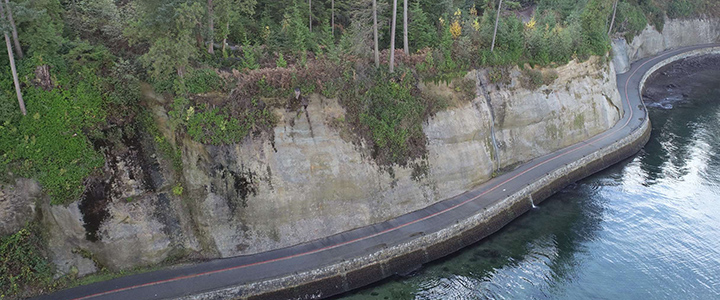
x,y
648,228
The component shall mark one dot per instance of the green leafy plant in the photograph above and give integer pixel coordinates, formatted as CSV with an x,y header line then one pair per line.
x,y
280,62
394,117
177,190
203,81
50,144
22,262
211,126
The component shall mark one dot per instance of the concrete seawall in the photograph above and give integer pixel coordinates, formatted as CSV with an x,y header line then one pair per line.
x,y
401,259
406,257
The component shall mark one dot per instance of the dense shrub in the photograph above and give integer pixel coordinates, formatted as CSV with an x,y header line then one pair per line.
x,y
681,8
124,84
394,117
213,126
50,144
203,80
630,19
593,29
22,262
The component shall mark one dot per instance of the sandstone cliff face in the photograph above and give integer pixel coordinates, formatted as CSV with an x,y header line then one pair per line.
x,y
581,103
17,204
675,34
307,181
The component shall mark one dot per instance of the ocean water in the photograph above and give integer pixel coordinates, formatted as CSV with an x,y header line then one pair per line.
x,y
647,228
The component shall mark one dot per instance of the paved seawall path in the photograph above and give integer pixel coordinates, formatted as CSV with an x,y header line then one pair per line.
x,y
338,263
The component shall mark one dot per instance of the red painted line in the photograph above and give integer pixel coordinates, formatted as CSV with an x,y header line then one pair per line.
x,y
594,139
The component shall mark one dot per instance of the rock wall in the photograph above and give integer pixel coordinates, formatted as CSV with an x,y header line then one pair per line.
x,y
676,33
582,102
17,204
307,180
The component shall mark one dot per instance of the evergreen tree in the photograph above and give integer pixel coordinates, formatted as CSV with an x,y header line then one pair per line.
x,y
421,33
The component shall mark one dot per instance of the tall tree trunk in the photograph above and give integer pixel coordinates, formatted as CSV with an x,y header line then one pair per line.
x,y
375,33
310,13
392,37
332,18
612,23
12,68
224,42
199,39
16,40
405,28
497,20
211,27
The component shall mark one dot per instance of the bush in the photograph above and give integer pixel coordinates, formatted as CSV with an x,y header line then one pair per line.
x,y
681,9
125,86
177,190
22,262
630,19
593,29
249,56
210,126
394,118
202,81
280,62
533,79
49,143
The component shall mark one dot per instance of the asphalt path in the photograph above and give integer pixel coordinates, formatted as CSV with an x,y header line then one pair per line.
x,y
220,273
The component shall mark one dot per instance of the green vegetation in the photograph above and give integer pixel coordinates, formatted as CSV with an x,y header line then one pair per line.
x,y
79,66
50,143
634,15
203,81
534,79
22,262
177,190
163,147
210,126
394,118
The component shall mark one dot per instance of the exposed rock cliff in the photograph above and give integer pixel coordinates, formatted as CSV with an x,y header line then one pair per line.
x,y
17,204
675,34
307,180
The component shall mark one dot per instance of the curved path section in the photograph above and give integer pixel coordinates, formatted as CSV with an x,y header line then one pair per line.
x,y
352,259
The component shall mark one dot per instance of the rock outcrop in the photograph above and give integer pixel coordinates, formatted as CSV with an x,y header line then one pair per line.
x,y
17,204
307,180
675,33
